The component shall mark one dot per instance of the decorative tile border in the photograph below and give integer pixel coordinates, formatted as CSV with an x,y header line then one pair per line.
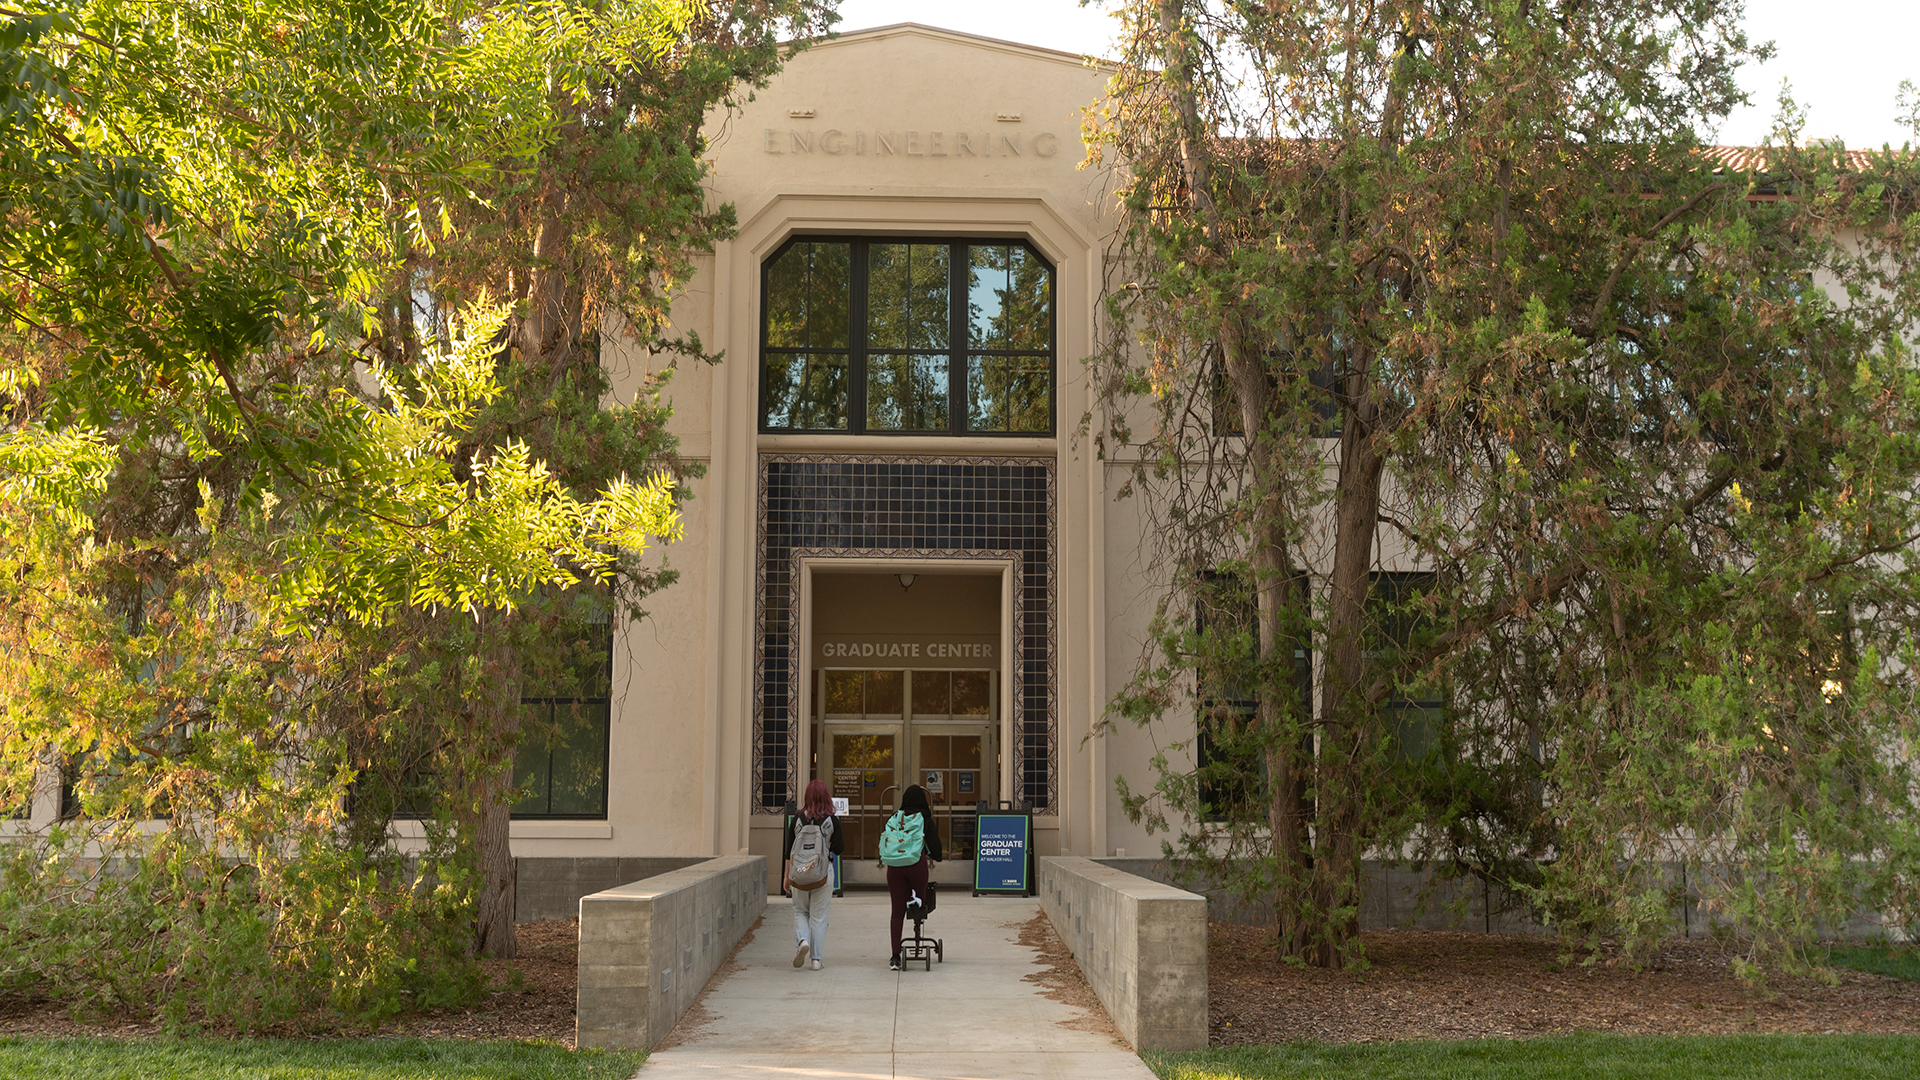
x,y
906,507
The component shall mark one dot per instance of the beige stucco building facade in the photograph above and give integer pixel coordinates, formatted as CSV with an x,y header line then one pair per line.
x,y
887,600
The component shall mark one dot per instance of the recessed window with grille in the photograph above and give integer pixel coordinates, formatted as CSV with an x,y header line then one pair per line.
x,y
882,336
1226,765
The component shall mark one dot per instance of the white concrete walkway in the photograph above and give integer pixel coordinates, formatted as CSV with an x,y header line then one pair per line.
x,y
973,1017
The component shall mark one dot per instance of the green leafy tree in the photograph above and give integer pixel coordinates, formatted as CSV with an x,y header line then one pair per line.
x,y
261,530
1468,367
203,202
204,709
590,244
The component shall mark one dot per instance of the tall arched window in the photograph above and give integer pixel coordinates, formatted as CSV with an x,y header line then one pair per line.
x,y
883,336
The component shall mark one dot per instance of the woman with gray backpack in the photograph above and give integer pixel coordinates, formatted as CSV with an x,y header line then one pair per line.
x,y
813,838
906,845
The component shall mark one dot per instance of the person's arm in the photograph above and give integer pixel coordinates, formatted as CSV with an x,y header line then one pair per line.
x,y
838,845
786,845
932,834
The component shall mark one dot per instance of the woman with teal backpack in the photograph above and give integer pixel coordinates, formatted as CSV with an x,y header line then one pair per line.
x,y
909,841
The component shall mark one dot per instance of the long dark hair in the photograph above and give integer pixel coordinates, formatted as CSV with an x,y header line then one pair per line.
x,y
914,799
818,803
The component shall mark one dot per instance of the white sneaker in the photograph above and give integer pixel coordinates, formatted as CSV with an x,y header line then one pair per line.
x,y
800,954
816,965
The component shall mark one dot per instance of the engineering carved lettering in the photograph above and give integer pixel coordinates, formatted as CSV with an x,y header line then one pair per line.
x,y
835,142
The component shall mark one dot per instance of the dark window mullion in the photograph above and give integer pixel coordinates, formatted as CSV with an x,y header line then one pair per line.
x,y
958,264
857,350
553,721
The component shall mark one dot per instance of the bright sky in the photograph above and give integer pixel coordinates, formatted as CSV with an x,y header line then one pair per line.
x,y
1845,57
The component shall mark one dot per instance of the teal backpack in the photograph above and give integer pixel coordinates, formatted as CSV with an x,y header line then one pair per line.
x,y
902,843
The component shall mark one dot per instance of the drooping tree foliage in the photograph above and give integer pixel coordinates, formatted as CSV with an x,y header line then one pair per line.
x,y
1578,458
291,491
589,243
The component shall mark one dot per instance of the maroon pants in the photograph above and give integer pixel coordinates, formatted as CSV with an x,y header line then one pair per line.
x,y
903,881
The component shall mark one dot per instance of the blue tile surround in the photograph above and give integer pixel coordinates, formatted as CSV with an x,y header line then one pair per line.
x,y
995,509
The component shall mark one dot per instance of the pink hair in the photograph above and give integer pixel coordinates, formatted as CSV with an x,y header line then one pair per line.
x,y
817,803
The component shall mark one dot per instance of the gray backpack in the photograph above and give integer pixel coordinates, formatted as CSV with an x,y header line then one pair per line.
x,y
808,861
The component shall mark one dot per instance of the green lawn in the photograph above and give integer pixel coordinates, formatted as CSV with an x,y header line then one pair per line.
x,y
1899,961
288,1059
1574,1057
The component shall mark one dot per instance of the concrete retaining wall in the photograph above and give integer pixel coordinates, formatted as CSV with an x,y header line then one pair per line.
x,y
1142,946
551,888
648,948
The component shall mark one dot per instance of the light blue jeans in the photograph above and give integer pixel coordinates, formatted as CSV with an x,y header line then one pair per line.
x,y
810,918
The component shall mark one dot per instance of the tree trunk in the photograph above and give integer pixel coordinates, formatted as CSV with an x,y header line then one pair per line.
x,y
548,328
498,711
1287,816
1298,915
1278,590
493,908
1347,721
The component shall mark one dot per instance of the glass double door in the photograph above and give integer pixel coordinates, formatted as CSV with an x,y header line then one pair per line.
x,y
869,760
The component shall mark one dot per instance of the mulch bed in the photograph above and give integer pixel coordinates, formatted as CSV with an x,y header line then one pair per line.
x,y
1438,985
1420,985
538,1006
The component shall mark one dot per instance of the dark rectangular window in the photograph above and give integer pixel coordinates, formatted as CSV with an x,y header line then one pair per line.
x,y
1009,340
1321,389
562,766
561,763
907,336
807,337
1226,603
1398,623
121,778
70,807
